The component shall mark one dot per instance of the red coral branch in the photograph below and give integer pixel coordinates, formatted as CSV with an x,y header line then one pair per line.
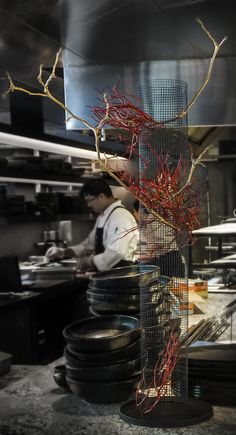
x,y
119,112
164,193
147,397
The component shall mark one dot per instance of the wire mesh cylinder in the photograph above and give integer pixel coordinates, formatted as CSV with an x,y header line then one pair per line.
x,y
163,303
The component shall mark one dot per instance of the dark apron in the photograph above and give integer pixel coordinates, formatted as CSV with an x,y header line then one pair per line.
x,y
99,247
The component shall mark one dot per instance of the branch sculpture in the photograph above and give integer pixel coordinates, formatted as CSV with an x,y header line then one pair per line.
x,y
118,111
171,197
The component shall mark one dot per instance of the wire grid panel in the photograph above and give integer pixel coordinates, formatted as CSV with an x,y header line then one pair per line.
x,y
163,304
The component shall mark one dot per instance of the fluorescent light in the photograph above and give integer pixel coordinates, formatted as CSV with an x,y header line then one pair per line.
x,y
35,181
49,147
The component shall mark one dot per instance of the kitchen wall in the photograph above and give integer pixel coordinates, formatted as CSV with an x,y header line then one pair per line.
x,y
19,239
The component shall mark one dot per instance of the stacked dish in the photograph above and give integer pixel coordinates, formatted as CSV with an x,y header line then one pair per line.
x,y
118,290
212,373
103,357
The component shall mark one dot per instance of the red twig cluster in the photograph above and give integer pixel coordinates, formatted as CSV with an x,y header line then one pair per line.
x,y
167,193
164,195
123,112
161,377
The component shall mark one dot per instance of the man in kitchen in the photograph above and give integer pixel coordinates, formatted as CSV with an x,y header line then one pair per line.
x,y
113,240
157,244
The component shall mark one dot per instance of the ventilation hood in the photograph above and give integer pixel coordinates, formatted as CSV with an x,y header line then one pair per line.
x,y
132,41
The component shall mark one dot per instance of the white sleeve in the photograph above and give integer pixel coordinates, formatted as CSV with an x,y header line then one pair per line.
x,y
120,241
86,247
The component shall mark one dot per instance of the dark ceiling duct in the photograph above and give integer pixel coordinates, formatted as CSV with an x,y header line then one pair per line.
x,y
26,118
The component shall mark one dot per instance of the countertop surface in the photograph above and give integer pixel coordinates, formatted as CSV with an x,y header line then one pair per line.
x,y
43,290
32,404
225,229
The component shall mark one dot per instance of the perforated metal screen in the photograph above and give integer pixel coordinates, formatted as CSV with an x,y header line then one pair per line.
x,y
164,301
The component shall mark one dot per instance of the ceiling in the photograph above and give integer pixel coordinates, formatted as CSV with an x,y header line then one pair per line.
x,y
98,32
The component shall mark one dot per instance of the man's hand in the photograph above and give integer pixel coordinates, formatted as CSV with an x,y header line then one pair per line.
x,y
55,252
85,263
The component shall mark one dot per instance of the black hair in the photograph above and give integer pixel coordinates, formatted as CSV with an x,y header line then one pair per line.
x,y
95,187
136,205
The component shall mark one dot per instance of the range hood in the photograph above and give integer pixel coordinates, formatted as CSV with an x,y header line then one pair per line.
x,y
132,41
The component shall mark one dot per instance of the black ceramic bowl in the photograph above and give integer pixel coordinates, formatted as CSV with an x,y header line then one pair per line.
x,y
76,359
122,370
104,392
59,376
104,333
125,277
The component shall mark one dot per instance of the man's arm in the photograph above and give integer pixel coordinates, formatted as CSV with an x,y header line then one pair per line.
x,y
86,247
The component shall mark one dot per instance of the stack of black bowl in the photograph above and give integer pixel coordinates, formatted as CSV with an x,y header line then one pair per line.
x,y
212,373
103,357
117,291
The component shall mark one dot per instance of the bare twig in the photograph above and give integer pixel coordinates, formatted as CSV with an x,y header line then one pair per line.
x,y
194,164
209,72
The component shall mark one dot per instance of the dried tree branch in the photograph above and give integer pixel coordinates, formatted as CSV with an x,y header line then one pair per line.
x,y
209,72
194,164
129,122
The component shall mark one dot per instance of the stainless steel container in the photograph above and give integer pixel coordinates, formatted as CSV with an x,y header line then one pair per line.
x,y
50,235
53,272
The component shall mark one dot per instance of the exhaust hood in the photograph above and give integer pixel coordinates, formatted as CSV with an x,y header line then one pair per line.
x,y
132,41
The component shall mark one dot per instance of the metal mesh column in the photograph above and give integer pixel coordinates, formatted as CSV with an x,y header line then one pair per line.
x,y
163,310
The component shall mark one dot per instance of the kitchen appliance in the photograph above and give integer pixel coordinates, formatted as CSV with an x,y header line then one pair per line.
x,y
10,277
54,270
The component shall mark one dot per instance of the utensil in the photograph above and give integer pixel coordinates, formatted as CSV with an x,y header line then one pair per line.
x,y
59,376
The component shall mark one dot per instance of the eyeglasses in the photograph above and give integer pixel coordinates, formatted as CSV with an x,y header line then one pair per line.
x,y
89,200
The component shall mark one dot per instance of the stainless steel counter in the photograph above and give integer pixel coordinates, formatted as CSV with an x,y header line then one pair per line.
x,y
227,229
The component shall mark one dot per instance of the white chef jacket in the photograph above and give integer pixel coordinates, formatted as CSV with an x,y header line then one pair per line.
x,y
156,237
119,242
